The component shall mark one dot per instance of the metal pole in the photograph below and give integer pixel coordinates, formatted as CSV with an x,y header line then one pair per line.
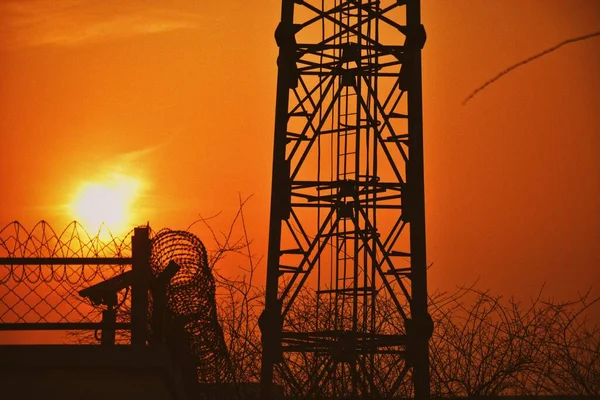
x,y
415,179
271,329
109,319
140,244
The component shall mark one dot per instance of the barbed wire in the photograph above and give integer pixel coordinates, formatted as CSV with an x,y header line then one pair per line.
x,y
73,241
191,303
50,293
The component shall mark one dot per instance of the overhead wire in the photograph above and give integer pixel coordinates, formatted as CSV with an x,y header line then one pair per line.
x,y
528,60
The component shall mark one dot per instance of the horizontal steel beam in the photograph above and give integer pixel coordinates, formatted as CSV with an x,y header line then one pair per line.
x,y
62,326
66,261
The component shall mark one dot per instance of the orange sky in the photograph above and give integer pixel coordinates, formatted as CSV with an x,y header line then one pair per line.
x,y
181,95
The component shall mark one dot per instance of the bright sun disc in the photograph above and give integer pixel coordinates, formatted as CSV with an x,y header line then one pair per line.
x,y
109,202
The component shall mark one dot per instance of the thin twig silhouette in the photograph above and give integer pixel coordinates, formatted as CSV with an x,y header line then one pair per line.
x,y
527,60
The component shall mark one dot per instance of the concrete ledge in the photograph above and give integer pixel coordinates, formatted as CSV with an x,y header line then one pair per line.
x,y
88,372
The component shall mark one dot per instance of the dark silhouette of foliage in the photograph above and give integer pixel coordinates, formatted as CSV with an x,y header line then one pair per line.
x,y
483,344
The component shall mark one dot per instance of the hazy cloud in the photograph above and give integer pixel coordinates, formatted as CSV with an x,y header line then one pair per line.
x,y
79,22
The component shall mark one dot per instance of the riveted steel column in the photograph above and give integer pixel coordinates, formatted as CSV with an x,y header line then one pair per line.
x,y
421,329
271,329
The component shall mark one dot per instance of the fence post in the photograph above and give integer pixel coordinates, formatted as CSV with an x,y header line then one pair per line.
x,y
109,320
140,252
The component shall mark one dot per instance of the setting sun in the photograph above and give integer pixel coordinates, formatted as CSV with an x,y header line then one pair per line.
x,y
109,202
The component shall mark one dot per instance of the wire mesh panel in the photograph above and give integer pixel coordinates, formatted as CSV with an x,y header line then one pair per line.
x,y
42,272
346,303
157,290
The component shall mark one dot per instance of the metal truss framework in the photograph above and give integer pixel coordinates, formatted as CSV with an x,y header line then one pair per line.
x,y
346,302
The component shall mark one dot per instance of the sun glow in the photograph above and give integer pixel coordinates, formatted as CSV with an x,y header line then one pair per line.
x,y
108,203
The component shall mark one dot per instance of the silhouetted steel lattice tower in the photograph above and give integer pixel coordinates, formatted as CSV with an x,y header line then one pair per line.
x,y
346,302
